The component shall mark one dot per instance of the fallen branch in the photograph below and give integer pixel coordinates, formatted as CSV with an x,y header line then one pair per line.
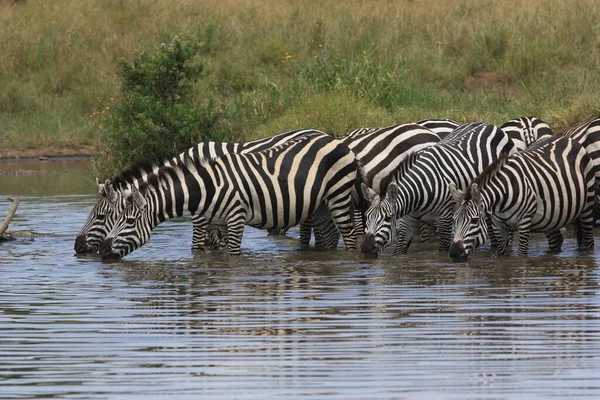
x,y
10,215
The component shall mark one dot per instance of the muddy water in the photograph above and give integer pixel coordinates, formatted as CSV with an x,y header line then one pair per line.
x,y
281,323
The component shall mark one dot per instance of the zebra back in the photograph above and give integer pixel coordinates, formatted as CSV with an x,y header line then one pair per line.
x,y
588,135
273,141
380,151
441,126
524,131
468,150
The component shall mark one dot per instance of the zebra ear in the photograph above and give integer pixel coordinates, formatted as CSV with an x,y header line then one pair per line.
x,y
137,198
110,192
368,193
392,192
475,194
456,194
101,188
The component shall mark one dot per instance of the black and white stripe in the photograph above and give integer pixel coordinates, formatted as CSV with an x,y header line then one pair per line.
x,y
542,189
104,214
440,126
588,135
525,131
379,151
272,189
420,190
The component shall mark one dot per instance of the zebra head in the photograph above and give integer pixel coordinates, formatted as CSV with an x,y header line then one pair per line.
x,y
131,229
101,219
470,227
380,219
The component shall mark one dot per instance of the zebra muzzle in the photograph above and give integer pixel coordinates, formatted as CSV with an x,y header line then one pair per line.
x,y
81,246
369,246
457,251
106,250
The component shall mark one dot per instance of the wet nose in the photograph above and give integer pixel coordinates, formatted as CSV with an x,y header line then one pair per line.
x,y
368,244
80,245
457,251
106,250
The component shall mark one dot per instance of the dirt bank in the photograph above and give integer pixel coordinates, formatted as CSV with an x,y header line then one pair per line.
x,y
52,152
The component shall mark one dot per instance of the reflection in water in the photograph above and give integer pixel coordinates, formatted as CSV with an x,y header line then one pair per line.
x,y
282,323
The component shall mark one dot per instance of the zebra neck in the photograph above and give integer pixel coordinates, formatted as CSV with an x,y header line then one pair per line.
x,y
489,198
415,193
176,195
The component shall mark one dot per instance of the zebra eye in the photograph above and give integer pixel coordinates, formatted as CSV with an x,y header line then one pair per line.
x,y
130,221
101,217
474,220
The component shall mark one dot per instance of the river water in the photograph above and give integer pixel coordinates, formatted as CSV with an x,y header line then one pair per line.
x,y
279,323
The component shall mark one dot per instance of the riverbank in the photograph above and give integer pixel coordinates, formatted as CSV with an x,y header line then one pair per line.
x,y
50,153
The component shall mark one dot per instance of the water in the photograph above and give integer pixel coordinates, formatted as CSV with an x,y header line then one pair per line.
x,y
278,323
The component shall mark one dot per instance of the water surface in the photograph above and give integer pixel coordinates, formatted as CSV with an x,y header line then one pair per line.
x,y
282,323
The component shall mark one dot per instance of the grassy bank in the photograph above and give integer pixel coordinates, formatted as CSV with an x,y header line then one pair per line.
x,y
276,65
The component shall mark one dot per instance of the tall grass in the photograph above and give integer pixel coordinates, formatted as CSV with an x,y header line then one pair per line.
x,y
277,65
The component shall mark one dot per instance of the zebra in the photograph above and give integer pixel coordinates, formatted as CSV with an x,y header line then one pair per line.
x,y
419,189
104,214
379,152
275,188
588,135
441,126
542,189
524,131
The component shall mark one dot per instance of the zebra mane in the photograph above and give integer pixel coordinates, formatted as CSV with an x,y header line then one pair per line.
x,y
176,167
185,164
486,174
137,171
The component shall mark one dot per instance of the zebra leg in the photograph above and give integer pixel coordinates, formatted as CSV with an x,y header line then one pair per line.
x,y
597,201
504,240
404,234
199,232
428,231
325,229
305,233
235,231
524,232
445,232
584,226
341,213
358,223
555,240
491,233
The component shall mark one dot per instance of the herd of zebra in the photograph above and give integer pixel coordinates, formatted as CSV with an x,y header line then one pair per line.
x,y
385,185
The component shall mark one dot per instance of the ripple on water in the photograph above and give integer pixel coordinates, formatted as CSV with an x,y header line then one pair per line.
x,y
280,323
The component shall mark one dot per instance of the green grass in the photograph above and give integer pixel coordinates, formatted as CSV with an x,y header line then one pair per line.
x,y
353,63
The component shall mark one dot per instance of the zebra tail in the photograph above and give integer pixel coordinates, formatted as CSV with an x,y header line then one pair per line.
x,y
360,201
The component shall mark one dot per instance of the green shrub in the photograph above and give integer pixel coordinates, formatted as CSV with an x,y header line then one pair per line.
x,y
155,113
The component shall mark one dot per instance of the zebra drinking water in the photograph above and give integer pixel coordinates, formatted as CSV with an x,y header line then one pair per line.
x,y
379,151
104,214
542,189
276,188
420,190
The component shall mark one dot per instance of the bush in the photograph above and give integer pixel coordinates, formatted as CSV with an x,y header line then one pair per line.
x,y
155,113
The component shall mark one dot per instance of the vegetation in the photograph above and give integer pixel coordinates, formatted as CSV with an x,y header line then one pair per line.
x,y
270,66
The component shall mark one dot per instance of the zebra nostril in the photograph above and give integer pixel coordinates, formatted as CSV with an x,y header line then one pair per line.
x,y
80,245
368,244
106,249
457,251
